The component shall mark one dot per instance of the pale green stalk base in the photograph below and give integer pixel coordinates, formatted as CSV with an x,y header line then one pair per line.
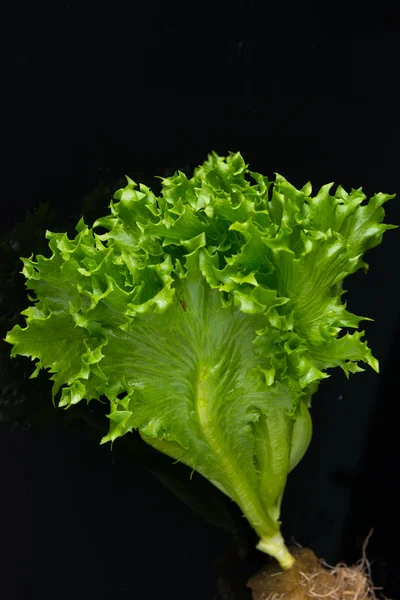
x,y
275,546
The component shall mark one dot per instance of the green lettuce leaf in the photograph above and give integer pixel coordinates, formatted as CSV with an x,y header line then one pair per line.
x,y
207,317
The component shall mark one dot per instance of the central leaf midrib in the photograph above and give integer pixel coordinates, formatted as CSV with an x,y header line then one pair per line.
x,y
239,488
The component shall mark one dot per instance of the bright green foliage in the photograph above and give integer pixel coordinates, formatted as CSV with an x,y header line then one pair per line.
x,y
207,316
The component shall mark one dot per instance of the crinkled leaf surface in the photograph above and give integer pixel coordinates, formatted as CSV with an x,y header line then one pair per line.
x,y
207,317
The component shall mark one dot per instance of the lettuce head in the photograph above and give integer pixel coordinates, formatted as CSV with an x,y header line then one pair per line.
x,y
206,317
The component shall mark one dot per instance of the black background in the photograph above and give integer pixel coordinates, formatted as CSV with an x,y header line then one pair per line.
x,y
92,93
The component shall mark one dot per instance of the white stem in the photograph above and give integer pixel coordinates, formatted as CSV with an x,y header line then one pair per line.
x,y
275,546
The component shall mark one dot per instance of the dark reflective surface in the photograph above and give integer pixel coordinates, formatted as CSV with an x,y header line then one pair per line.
x,y
94,95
